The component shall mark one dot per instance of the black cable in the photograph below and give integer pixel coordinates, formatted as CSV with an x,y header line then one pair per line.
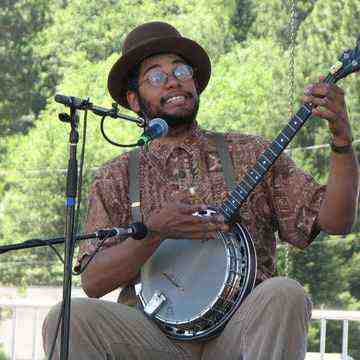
x,y
56,331
108,139
55,250
53,344
58,255
82,269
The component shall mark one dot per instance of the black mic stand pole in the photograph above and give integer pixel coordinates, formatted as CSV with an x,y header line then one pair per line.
x,y
71,191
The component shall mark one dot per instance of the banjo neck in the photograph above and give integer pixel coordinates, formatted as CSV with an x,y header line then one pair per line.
x,y
230,208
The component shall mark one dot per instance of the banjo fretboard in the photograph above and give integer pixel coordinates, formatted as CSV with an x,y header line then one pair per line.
x,y
254,176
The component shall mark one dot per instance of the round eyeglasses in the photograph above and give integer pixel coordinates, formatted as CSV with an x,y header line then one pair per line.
x,y
157,77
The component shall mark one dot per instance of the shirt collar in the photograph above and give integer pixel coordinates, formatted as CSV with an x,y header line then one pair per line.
x,y
194,137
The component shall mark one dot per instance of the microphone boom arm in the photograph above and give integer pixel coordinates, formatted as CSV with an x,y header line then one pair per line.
x,y
85,104
136,230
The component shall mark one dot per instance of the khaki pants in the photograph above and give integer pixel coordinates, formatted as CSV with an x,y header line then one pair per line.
x,y
271,324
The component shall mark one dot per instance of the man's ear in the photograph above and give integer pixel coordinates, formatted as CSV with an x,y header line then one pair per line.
x,y
133,101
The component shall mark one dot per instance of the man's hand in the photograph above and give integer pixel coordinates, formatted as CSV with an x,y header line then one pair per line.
x,y
338,210
176,220
330,101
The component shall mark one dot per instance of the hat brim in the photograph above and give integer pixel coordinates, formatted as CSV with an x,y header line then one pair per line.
x,y
188,49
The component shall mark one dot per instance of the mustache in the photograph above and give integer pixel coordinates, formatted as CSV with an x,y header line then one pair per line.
x,y
164,99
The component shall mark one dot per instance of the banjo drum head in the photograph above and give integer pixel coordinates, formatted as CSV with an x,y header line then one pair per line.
x,y
191,274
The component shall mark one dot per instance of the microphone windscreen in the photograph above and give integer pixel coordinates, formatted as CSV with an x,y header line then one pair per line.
x,y
140,231
158,128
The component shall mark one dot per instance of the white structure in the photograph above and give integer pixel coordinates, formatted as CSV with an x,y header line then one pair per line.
x,y
20,332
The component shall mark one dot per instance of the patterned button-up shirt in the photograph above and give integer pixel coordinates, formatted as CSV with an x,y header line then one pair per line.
x,y
286,202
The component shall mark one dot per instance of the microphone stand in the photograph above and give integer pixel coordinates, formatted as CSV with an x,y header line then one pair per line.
x,y
46,242
71,192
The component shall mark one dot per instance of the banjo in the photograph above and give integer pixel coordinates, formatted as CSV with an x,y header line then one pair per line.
x,y
192,288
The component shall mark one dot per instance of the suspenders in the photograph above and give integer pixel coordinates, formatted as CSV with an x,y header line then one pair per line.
x,y
134,192
226,163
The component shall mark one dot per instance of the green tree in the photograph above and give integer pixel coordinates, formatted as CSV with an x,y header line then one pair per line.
x,y
246,91
242,18
321,39
23,91
272,18
99,28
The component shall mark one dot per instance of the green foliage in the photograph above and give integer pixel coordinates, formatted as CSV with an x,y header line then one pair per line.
x,y
246,92
34,202
323,263
272,18
104,24
242,18
329,270
22,93
334,338
3,356
354,274
321,40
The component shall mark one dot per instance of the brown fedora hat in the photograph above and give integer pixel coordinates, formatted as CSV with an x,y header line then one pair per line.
x,y
150,39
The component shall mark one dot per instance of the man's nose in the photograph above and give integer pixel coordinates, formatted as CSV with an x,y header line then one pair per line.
x,y
172,81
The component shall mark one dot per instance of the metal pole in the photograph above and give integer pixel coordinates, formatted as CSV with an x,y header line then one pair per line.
x,y
13,340
322,339
344,354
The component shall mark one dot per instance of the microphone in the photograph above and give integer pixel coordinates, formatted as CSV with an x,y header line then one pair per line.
x,y
73,101
157,128
135,230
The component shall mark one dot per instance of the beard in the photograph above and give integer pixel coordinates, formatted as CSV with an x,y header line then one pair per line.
x,y
172,120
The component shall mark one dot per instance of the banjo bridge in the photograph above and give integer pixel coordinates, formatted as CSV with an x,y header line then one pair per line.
x,y
173,281
153,306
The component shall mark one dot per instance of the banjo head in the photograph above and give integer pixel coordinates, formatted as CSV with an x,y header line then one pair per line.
x,y
191,288
190,274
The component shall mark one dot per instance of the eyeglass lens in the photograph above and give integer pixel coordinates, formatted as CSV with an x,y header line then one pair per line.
x,y
158,77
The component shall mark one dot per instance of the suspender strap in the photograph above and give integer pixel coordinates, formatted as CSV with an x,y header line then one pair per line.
x,y
134,191
127,294
227,166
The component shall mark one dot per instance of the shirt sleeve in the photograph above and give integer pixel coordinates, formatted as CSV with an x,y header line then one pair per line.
x,y
294,196
297,199
108,205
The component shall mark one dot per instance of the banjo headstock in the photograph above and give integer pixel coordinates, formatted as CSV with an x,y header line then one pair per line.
x,y
348,63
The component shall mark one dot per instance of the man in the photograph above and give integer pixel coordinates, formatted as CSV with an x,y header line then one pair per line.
x,y
162,74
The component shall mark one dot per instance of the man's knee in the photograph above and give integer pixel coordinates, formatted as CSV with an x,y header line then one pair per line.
x,y
286,293
80,309
49,326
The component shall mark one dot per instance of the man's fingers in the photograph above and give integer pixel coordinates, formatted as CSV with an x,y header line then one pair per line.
x,y
187,209
323,101
328,115
324,90
194,223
